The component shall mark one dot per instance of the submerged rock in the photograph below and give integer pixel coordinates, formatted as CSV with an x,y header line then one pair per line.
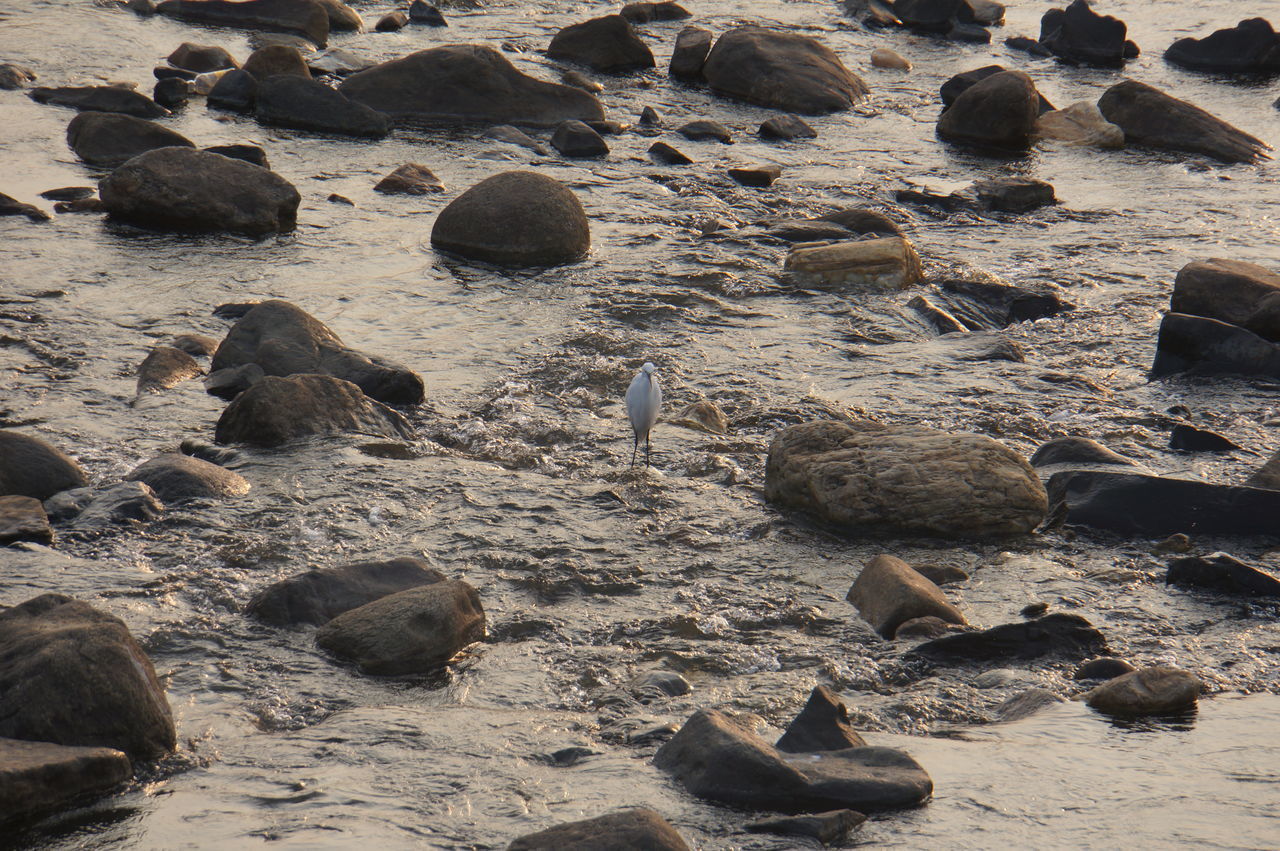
x,y
822,725
100,99
1157,690
424,13
1081,36
1152,118
110,139
1059,634
164,367
22,518
32,467
15,76
304,104
1078,124
1243,294
1250,47
318,596
781,70
1209,347
1076,450
606,44
1013,194
37,778
638,829
690,53
1221,572
985,305
307,18
999,111
888,593
275,411
101,511
829,828
888,263
176,477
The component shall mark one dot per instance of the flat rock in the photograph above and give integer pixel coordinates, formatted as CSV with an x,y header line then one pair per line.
x,y
576,139
410,179
337,62
999,111
1185,438
703,130
30,466
885,264
1013,194
607,44
37,778
307,18
1221,572
1250,47
888,593
756,176
305,104
1210,347
22,518
1059,634
1157,690
111,139
780,70
829,828
165,367
247,153
276,410
176,477
643,13
1102,668
690,53
318,596
1151,118
639,829
990,306
1080,36
822,725
1233,291
100,99
1076,450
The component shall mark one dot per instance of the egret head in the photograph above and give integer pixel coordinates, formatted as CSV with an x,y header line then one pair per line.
x,y
648,369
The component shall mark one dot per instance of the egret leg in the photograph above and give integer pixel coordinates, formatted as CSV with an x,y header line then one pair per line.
x,y
634,449
646,449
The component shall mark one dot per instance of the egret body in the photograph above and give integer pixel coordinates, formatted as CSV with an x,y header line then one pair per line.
x,y
644,400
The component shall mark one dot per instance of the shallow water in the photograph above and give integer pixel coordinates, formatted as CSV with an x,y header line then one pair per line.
x,y
590,572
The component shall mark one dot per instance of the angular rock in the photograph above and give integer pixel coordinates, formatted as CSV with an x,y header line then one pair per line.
x,y
667,155
1075,450
787,128
247,153
22,518
1233,291
425,13
1267,476
575,139
983,305
823,725
1209,347
188,190
32,467
649,117
37,778
1187,438
829,828
1221,572
74,675
1078,124
643,13
607,44
780,70
1102,668
10,206
757,176
305,104
392,22
999,111
690,53
1013,194
409,179
272,59
275,411
318,596
176,477
1250,47
337,62
110,139
1157,690
235,90
516,218
410,632
703,130
1080,36
888,593
100,99
94,512
883,57
307,18
1154,119
201,58
164,367
463,82
1059,634
638,829
888,263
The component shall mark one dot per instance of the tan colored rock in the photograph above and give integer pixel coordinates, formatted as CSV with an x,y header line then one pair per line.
x,y
703,416
22,518
883,57
39,777
1078,124
888,593
889,263
1146,691
1267,476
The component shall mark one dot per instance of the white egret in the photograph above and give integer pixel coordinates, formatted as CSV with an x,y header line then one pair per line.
x,y
644,400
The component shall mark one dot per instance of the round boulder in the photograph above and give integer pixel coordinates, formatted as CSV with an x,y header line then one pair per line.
x,y
999,111
1156,690
31,467
177,477
781,70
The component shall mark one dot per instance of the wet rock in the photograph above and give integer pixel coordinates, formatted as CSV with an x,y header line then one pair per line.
x,y
883,57
1267,476
1034,610
607,44
318,596
275,411
960,83
1208,347
999,111
68,193
517,218
84,205
1075,450
166,72
202,84
208,452
660,684
100,511
110,139
1221,572
15,76
1154,506
787,128
1191,439
1013,194
888,593
172,93
1081,36
272,59
888,263
932,16
1157,690
1026,704
22,518
1059,634
248,153
201,58
640,829
337,62
667,155
575,139
867,477
305,104
164,367
702,416
703,130
941,574
342,18
981,346
1027,45
513,136
1102,668
581,81
235,90
1154,119
649,117
10,206
37,778
464,82
823,725
829,828
759,176
1176,543
690,53
188,190
231,382
987,13
983,305
392,22
643,13
1251,46
74,675
307,18
1078,124
410,179
968,33
410,632
926,627
425,13
100,99
716,758
32,467
176,477
781,70
1233,291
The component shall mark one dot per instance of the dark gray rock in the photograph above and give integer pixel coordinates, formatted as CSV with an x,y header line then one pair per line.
x,y
607,44
231,382
410,179
888,593
235,90
626,830
1250,47
1157,690
95,512
424,13
272,59
756,176
172,93
1062,635
10,206
1209,347
1187,438
690,53
32,467
304,104
667,155
68,193
1233,291
958,84
658,684
1013,194
983,305
780,70
201,58
1151,118
649,117
175,477
100,99
1027,45
275,411
643,13
164,367
307,18
15,76
930,16
111,139
1267,476
575,139
822,725
1075,450
1081,36
1221,572
247,153
392,22
318,596
999,111
22,518
38,778
1102,668
703,130
786,128
829,828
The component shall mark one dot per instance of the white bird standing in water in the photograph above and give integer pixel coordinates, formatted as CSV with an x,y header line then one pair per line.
x,y
644,399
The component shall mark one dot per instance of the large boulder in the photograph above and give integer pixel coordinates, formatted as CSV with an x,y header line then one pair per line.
x,y
188,190
999,111
100,99
74,675
1157,690
286,100
887,263
31,467
1208,347
318,596
1152,118
690,53
307,18
1221,572
822,725
888,593
1059,634
37,778
1233,291
606,44
1250,47
868,478
780,70
111,139
284,340
516,218
277,410
1081,36
176,477
465,82
626,830
410,632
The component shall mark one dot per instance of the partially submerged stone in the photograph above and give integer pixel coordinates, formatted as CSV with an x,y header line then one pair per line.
x,y
781,70
1250,47
1243,294
690,53
1080,124
1157,690
110,139
307,18
1152,118
607,44
37,778
100,99
888,593
410,179
1060,634
30,466
175,477
822,725
888,263
286,100
829,828
1209,347
1221,572
639,829
165,367
318,596
999,111
22,518
276,411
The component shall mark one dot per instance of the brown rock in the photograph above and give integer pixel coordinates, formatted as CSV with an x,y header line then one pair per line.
x,y
1147,691
22,518
410,179
888,593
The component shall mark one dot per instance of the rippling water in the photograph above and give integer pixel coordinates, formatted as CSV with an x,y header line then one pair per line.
x,y
589,572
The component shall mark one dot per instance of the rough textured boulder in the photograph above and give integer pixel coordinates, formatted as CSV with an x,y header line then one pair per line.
x,y
188,190
201,58
888,593
31,467
285,340
301,103
1250,47
110,139
888,263
463,82
780,70
318,596
1233,291
272,59
176,477
22,518
1152,118
1081,36
164,367
235,90
40,777
100,99
277,410
73,675
1063,635
1080,124
307,18
871,478
718,759
1221,572
627,830
1208,347
823,725
999,111
606,44
1156,690
517,218
409,632
410,179
690,53
1075,450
